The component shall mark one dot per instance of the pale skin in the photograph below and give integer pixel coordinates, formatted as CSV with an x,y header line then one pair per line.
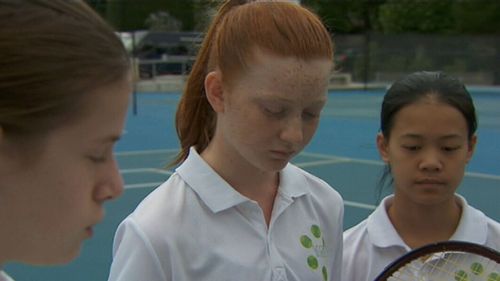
x,y
428,150
267,116
52,195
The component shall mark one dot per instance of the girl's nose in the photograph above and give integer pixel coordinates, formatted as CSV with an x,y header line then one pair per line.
x,y
293,131
111,184
430,161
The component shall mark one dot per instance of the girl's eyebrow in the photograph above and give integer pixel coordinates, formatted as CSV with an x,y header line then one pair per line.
x,y
319,101
417,136
108,139
451,136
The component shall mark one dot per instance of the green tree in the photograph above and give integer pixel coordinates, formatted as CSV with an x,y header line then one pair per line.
x,y
163,21
425,16
132,14
346,16
477,16
98,5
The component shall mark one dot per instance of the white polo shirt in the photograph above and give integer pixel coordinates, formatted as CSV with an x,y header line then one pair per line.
x,y
195,226
374,243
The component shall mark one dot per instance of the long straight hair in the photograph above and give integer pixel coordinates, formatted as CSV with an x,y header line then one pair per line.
x,y
239,27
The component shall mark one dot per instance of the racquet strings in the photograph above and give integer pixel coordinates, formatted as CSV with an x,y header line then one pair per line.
x,y
449,266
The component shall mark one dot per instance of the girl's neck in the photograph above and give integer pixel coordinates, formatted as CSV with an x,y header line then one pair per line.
x,y
419,224
240,174
253,183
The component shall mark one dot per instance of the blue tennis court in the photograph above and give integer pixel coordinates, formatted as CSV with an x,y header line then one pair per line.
x,y
342,152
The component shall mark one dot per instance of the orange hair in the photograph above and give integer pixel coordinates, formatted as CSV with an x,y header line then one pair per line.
x,y
239,27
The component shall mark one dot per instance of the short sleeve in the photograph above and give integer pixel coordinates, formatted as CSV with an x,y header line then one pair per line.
x,y
134,258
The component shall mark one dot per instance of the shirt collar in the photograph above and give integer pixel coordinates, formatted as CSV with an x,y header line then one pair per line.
x,y
212,189
218,195
380,229
293,183
472,226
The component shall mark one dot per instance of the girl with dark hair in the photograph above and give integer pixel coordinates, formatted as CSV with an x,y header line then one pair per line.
x,y
236,209
427,137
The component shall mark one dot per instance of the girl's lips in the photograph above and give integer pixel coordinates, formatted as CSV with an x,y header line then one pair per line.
x,y
430,181
282,154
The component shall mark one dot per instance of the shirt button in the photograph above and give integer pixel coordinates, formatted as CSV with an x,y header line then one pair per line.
x,y
279,274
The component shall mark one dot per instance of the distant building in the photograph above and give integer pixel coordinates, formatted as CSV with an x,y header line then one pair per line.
x,y
166,53
155,45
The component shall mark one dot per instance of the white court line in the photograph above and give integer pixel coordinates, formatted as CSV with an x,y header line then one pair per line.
x,y
164,172
139,152
323,156
381,163
344,159
327,159
482,176
321,162
139,170
359,205
146,170
143,185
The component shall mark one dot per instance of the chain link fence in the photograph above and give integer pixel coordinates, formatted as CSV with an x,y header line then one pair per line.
x,y
368,59
382,58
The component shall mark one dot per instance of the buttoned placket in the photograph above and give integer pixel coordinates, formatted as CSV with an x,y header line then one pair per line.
x,y
254,213
278,268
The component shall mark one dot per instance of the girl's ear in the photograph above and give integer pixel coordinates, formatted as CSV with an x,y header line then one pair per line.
x,y
214,92
471,148
382,146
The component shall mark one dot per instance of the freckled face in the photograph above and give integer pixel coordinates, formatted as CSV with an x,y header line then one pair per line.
x,y
428,151
272,111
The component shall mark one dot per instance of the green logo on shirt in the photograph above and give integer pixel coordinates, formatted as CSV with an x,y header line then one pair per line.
x,y
477,269
316,243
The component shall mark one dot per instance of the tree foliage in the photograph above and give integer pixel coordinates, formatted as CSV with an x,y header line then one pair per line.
x,y
343,16
340,16
134,14
477,16
163,21
405,16
428,16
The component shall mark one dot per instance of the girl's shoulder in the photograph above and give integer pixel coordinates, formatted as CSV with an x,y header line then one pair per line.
x,y
492,235
313,183
494,232
356,232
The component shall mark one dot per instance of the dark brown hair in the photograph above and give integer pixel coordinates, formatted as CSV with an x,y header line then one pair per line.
x,y
52,53
415,87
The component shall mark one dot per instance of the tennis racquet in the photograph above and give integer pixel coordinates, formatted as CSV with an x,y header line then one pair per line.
x,y
445,261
